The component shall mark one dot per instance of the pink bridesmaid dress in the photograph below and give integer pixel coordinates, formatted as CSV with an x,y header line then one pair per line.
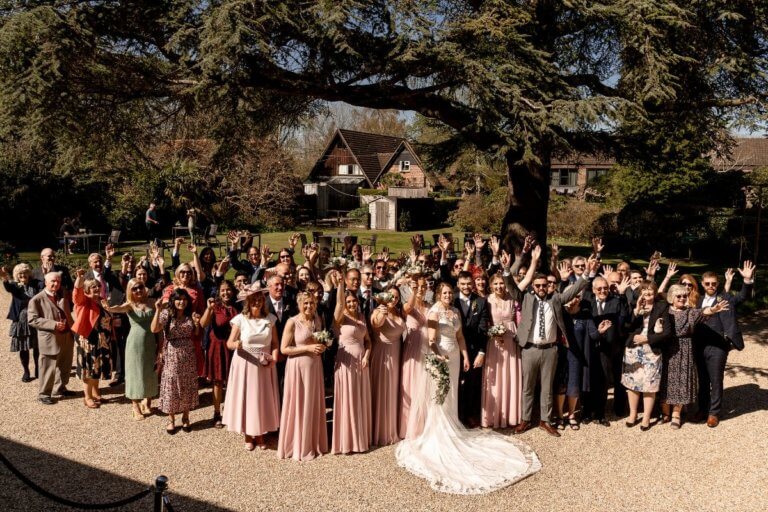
x,y
252,405
413,373
351,391
303,435
385,381
501,404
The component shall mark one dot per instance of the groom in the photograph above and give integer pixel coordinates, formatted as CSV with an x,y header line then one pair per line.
x,y
475,319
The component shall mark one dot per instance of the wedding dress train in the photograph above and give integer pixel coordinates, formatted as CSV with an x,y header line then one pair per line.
x,y
450,457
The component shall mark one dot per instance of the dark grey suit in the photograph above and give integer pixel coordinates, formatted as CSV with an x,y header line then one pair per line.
x,y
55,346
539,364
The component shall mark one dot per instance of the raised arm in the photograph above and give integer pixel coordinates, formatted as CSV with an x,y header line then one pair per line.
x,y
338,313
671,271
528,279
122,308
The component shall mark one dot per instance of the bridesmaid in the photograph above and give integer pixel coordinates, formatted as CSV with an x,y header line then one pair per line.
x,y
178,384
352,381
253,405
140,348
413,374
303,434
502,374
388,328
218,356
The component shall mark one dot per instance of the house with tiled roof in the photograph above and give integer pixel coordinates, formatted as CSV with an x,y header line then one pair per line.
x,y
573,173
353,160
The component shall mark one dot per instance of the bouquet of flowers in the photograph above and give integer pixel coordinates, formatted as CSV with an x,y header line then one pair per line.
x,y
336,262
497,330
437,368
323,337
415,270
384,297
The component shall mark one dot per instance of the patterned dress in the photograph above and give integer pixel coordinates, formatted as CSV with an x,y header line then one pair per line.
x,y
94,353
642,367
678,381
178,385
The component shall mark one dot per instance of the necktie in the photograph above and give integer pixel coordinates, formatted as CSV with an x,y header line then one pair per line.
x,y
102,285
367,294
279,309
599,308
542,333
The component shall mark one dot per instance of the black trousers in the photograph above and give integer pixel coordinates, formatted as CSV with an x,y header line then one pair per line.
x,y
470,394
710,365
620,400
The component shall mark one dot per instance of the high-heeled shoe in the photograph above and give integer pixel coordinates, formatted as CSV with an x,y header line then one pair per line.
x,y
644,428
630,424
137,415
185,426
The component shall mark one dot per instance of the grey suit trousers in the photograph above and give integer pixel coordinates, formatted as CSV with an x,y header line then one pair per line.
x,y
539,365
54,371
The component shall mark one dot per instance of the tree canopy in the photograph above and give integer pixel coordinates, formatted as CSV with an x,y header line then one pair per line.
x,y
523,79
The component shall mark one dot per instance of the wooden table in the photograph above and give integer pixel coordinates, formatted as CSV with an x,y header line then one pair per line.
x,y
86,238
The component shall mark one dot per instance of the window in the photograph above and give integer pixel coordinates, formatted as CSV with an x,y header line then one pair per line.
x,y
595,173
348,169
405,165
563,178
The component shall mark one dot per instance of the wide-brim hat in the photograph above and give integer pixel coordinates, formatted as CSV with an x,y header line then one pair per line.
x,y
249,289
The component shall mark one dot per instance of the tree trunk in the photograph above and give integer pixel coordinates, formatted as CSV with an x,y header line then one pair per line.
x,y
528,202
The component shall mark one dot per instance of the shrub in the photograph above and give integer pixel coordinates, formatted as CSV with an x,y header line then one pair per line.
x,y
359,215
481,214
574,220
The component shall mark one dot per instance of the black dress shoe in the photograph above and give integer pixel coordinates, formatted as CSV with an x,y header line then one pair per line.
x,y
66,392
46,400
643,428
26,378
603,422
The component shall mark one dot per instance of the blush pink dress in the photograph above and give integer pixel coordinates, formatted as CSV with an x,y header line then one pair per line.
x,y
412,373
385,381
303,434
351,391
252,405
501,404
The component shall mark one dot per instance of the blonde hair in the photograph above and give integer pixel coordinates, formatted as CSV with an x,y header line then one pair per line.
x,y
676,289
21,268
249,300
129,296
90,282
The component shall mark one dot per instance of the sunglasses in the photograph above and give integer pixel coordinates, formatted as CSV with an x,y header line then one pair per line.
x,y
540,285
366,273
602,288
551,282
183,272
681,296
579,266
689,285
380,268
137,288
458,266
710,283
285,256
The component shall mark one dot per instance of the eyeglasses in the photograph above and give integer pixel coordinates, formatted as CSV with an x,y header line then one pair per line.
x,y
137,288
710,283
681,296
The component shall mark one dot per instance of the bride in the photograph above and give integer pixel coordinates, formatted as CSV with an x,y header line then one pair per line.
x,y
452,458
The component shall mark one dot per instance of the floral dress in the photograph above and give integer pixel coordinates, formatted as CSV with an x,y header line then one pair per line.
x,y
94,353
642,366
678,381
178,385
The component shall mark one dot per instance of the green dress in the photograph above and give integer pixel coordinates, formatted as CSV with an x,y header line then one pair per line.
x,y
140,353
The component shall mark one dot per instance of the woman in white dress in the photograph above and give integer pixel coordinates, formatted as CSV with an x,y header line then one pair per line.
x,y
452,458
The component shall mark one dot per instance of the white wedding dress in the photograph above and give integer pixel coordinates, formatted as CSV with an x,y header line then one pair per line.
x,y
450,457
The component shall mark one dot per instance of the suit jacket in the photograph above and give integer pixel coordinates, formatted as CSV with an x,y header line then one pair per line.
x,y
474,323
528,301
660,310
19,299
115,291
722,329
43,314
615,309
66,278
289,309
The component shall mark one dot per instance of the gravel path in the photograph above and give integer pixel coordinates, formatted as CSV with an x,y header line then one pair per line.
x,y
103,455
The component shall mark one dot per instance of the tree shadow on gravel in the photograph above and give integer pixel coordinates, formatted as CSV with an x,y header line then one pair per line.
x,y
74,481
744,399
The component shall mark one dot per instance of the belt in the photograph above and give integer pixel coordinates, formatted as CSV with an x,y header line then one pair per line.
x,y
541,346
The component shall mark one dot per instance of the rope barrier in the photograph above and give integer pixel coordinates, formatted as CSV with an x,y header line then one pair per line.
x,y
85,506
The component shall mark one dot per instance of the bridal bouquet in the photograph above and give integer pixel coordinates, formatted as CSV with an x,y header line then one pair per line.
x,y
384,297
323,337
336,262
437,367
497,330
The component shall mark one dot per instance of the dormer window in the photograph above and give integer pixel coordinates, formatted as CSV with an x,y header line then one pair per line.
x,y
349,169
405,165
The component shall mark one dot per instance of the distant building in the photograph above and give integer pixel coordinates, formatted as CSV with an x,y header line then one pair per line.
x,y
353,160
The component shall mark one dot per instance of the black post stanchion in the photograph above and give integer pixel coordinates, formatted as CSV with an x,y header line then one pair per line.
x,y
161,485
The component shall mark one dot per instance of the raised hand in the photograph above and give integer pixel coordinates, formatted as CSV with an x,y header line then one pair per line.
x,y
178,241
597,245
729,275
479,242
234,238
211,302
223,266
265,255
312,252
555,251
747,271
505,259
109,251
79,272
495,245
607,269
154,252
720,306
528,243
4,273
385,253
623,285
469,248
192,248
536,254
564,270
592,265
651,269
671,270
415,243
293,240
366,252
443,243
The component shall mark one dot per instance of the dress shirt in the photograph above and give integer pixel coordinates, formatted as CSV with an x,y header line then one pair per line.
x,y
550,329
278,305
709,301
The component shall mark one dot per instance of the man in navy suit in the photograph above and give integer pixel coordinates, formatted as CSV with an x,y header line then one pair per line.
x,y
475,320
713,338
